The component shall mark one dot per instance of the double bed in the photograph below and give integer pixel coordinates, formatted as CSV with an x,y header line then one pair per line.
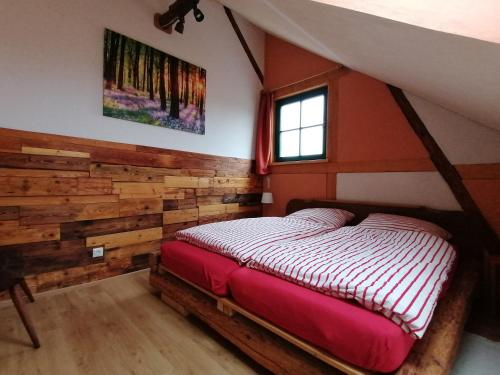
x,y
289,328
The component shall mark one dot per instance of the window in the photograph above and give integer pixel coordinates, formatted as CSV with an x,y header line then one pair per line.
x,y
301,126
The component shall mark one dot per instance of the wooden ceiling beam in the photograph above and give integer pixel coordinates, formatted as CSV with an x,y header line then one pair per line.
x,y
446,169
244,44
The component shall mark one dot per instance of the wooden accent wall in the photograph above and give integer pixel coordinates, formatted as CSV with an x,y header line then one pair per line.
x,y
61,196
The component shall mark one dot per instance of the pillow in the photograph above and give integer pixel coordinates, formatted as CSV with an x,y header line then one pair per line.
x,y
397,223
333,217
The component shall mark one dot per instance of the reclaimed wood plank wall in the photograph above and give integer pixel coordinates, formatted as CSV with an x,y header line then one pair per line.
x,y
60,196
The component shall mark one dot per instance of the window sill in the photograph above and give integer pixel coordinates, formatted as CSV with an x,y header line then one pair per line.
x,y
317,161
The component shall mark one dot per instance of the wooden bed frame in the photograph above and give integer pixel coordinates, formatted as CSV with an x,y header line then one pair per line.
x,y
284,353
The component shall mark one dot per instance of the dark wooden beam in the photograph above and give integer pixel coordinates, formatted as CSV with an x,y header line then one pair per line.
x,y
244,44
446,169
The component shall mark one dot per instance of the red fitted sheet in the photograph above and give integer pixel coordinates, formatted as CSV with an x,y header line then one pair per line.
x,y
206,269
346,330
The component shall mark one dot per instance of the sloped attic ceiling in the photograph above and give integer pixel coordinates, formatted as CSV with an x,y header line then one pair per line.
x,y
459,72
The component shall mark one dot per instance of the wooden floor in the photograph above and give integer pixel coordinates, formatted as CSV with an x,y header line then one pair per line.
x,y
115,326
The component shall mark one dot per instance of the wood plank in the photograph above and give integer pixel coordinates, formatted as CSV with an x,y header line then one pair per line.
x,y
53,152
214,218
170,204
436,351
217,209
48,256
180,216
49,200
133,207
181,182
67,213
130,173
128,190
11,160
14,172
132,250
273,352
446,169
93,228
138,189
9,225
10,144
210,199
479,171
94,186
19,186
242,198
136,158
169,230
110,241
236,182
254,190
57,139
200,172
187,203
9,213
215,191
27,234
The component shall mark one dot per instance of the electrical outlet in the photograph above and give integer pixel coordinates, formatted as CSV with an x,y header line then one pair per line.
x,y
97,252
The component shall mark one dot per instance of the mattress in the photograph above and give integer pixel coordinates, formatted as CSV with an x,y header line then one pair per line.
x,y
206,269
345,329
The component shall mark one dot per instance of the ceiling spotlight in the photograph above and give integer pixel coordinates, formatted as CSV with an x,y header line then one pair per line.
x,y
198,14
179,26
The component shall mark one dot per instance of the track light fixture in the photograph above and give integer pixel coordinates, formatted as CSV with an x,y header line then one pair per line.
x,y
179,26
198,14
175,15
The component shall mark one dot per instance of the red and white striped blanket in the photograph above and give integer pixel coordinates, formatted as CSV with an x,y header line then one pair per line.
x,y
241,239
399,274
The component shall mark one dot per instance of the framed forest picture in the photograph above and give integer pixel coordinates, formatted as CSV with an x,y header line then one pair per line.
x,y
148,86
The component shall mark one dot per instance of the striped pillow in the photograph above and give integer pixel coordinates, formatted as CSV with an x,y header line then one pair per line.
x,y
332,217
396,223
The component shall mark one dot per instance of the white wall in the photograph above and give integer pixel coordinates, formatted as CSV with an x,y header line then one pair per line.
x,y
462,140
406,188
51,71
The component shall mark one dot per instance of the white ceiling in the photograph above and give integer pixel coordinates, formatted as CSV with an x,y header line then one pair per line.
x,y
459,72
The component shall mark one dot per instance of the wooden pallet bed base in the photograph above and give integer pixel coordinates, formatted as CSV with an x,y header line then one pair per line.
x,y
283,353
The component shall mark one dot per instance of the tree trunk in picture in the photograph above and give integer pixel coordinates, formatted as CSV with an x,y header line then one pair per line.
x,y
123,41
130,65
186,83
110,70
145,68
114,58
107,44
137,59
151,74
173,63
163,94
202,93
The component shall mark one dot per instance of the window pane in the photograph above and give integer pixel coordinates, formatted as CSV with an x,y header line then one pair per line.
x,y
313,111
289,143
311,141
290,116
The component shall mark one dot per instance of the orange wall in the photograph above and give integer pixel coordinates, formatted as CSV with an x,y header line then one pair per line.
x,y
286,63
369,121
368,133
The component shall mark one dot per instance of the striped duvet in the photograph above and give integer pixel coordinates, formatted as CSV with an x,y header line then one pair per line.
x,y
397,273
242,239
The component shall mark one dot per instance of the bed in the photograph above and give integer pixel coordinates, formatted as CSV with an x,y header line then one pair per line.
x,y
239,318
234,243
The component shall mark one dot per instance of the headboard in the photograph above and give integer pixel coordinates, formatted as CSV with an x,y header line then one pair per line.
x,y
455,222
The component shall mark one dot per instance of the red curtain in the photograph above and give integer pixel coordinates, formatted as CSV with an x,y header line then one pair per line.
x,y
264,134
